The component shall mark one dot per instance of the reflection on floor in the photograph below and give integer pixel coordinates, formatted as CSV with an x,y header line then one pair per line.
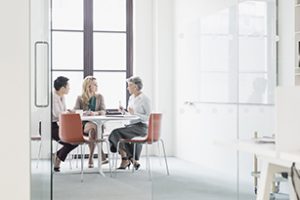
x,y
186,181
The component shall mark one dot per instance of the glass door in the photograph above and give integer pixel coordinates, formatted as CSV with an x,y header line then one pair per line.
x,y
40,101
94,37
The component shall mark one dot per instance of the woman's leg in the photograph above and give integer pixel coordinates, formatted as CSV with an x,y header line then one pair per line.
x,y
90,129
126,150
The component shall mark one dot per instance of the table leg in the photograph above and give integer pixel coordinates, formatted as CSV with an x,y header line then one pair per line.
x,y
266,179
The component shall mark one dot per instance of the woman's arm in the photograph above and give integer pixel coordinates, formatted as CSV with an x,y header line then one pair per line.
x,y
78,103
101,110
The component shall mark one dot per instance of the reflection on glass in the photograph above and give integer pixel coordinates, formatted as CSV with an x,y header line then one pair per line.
x,y
67,50
67,14
256,88
109,51
110,15
75,82
112,85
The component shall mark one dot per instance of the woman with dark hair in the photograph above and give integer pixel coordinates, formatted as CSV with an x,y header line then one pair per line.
x,y
139,105
61,88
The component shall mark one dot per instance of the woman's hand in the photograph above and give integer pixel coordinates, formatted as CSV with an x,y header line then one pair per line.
x,y
71,111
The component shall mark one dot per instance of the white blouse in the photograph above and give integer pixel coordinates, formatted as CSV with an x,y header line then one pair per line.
x,y
58,106
141,107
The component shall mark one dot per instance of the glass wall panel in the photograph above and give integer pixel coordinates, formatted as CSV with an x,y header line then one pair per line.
x,y
253,54
112,85
253,17
110,15
67,14
215,52
109,51
67,50
253,88
230,57
217,87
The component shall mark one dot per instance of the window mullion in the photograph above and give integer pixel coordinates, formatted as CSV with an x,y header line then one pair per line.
x,y
88,38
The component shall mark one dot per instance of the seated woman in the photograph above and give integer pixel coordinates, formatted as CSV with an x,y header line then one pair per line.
x,y
91,103
139,104
62,88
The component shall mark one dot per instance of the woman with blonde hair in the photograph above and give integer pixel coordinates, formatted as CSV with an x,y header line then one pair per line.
x,y
92,103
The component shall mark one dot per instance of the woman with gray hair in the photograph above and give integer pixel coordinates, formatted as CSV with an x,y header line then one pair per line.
x,y
138,104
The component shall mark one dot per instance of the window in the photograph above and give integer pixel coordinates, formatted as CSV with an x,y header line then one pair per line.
x,y
93,37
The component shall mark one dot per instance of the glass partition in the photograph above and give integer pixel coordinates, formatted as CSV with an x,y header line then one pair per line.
x,y
225,81
40,104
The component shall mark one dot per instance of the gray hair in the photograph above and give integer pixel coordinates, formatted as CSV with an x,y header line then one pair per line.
x,y
137,81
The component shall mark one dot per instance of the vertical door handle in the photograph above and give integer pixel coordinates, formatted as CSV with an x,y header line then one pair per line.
x,y
41,74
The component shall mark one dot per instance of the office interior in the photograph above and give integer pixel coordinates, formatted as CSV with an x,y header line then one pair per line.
x,y
211,67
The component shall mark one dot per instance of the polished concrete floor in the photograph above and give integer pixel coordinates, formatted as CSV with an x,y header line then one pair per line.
x,y
187,181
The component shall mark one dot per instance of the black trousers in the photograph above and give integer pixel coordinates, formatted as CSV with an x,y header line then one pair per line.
x,y
128,132
66,148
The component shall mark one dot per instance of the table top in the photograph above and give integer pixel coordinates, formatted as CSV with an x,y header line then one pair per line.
x,y
265,150
109,117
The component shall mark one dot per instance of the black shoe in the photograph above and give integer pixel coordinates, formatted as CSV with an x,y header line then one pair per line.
x,y
56,169
125,163
135,163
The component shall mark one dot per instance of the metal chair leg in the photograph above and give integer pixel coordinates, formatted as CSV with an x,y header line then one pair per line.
x,y
163,145
116,161
81,163
133,156
148,162
109,156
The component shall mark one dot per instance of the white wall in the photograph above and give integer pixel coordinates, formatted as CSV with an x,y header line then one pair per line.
x,y
153,59
14,84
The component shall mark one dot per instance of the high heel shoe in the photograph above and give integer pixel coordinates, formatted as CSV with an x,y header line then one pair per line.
x,y
56,163
125,163
135,163
91,165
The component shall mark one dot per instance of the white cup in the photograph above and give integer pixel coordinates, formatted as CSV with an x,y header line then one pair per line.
x,y
80,112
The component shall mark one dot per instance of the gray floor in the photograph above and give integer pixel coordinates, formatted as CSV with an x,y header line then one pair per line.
x,y
186,181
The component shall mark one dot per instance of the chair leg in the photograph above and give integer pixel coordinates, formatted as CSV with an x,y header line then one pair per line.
x,y
163,145
77,155
148,162
39,154
109,156
70,160
159,154
116,161
81,163
133,156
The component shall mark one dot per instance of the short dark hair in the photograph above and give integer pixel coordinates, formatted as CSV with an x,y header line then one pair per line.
x,y
60,82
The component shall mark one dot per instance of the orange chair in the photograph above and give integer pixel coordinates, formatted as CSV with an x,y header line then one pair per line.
x,y
152,136
70,131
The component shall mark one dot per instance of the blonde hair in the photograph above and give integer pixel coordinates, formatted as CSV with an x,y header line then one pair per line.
x,y
86,93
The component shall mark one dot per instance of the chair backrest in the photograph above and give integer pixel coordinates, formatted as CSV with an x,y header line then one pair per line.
x,y
70,128
154,127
